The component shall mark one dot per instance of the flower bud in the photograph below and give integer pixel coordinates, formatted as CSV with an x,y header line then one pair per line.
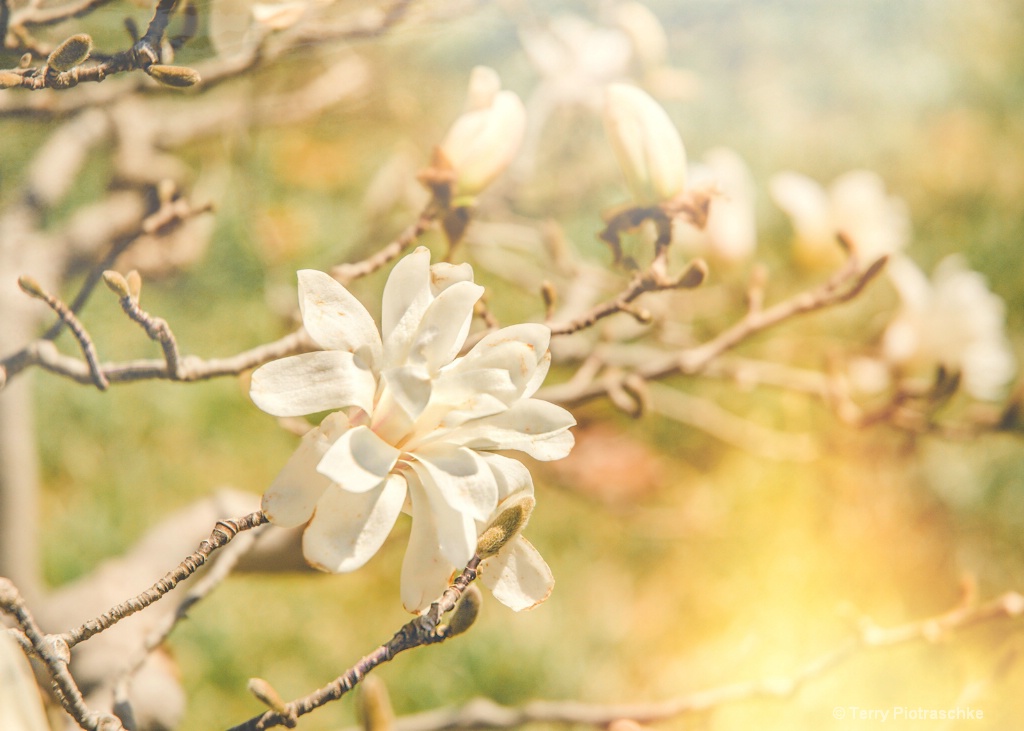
x,y
70,53
506,526
31,286
116,283
266,694
373,707
180,77
483,141
466,611
134,282
647,144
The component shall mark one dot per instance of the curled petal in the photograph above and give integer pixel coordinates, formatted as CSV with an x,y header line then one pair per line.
x,y
425,572
511,475
292,496
518,349
538,428
310,382
335,319
463,480
348,528
443,275
518,576
445,325
359,461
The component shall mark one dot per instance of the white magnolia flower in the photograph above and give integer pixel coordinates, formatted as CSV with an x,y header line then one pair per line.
x,y
648,146
856,204
413,427
484,139
955,321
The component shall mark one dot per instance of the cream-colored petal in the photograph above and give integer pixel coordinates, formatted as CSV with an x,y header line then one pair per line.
x,y
406,297
410,387
461,477
292,496
538,428
348,528
335,319
359,461
444,326
456,529
511,476
518,576
443,275
425,572
311,382
518,349
21,706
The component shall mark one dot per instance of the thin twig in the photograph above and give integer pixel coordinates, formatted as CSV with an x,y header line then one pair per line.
x,y
346,273
33,288
222,534
423,630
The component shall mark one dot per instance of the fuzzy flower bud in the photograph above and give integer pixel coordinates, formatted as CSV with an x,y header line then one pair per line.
x,y
180,77
466,611
505,527
647,144
483,141
70,53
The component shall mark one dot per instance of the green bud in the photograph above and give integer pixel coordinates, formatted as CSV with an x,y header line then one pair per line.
x,y
373,707
70,53
134,281
506,526
266,694
117,284
466,611
29,285
180,77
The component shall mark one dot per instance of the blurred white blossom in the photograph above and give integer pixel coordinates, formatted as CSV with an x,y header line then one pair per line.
x,y
730,233
856,204
484,139
413,429
954,321
647,144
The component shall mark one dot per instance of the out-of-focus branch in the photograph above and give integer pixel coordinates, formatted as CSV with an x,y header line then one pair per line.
x,y
846,284
425,629
485,714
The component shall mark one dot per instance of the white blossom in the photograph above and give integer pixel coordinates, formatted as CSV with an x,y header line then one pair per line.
x,y
954,321
730,232
855,204
413,428
485,138
648,146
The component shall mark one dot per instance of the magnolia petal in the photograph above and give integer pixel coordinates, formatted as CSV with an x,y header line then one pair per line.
x,y
443,275
538,428
292,496
425,572
518,576
359,461
519,349
335,319
463,479
410,387
539,374
510,475
445,325
406,297
310,382
348,528
456,529
455,388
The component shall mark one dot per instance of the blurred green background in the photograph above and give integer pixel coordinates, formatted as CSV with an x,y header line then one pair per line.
x,y
681,563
